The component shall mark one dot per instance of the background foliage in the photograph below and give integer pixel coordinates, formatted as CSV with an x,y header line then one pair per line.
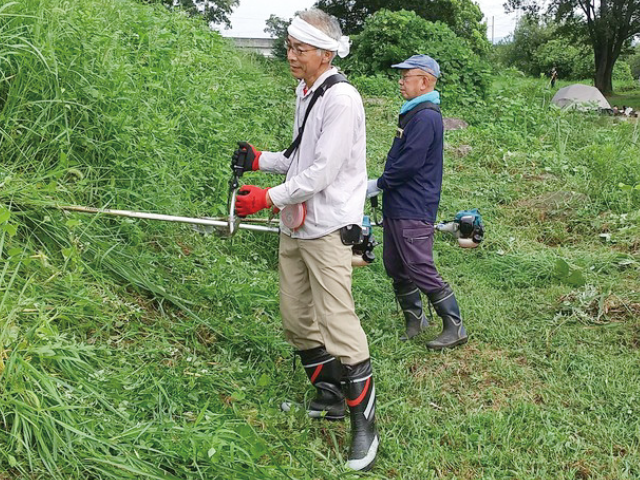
x,y
608,27
212,11
277,29
634,62
462,16
384,41
537,45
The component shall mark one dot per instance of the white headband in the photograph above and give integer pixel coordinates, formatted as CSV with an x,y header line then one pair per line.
x,y
307,33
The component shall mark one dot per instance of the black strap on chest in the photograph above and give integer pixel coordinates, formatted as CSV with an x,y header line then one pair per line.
x,y
326,85
405,118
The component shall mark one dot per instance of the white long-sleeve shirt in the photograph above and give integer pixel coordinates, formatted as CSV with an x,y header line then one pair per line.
x,y
328,169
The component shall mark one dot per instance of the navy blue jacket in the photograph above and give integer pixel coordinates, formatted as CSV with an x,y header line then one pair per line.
x,y
412,178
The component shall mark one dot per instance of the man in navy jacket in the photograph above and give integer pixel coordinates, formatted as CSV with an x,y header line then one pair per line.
x,y
411,182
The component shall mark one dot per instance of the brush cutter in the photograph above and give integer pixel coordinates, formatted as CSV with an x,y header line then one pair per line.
x,y
228,226
466,226
222,226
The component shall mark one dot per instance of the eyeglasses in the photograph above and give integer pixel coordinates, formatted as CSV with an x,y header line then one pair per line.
x,y
403,78
296,50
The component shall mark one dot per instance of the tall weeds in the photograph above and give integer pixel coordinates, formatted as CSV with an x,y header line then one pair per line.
x,y
120,104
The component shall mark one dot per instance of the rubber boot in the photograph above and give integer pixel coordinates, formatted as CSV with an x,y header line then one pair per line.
x,y
410,302
453,331
361,399
325,373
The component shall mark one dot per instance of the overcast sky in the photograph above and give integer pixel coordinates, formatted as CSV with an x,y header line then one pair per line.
x,y
248,19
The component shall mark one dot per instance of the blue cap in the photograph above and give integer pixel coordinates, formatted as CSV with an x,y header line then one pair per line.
x,y
423,62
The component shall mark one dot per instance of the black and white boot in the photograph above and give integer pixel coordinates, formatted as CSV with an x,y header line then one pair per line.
x,y
410,302
325,373
361,399
453,331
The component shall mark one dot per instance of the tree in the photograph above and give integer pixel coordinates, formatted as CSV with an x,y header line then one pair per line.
x,y
520,49
383,41
464,17
570,61
608,24
538,45
277,28
213,11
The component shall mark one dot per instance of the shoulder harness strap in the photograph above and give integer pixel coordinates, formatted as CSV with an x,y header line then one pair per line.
x,y
405,118
326,85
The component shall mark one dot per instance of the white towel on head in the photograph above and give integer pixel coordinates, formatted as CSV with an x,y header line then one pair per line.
x,y
307,33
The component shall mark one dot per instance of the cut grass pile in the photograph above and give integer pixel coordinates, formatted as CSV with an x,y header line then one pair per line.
x,y
132,349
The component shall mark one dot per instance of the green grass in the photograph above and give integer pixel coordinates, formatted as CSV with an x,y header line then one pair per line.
x,y
134,349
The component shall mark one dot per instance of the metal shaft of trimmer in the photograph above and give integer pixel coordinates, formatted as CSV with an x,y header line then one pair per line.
x,y
170,218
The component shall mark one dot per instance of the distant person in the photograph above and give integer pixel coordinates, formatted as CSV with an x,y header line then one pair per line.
x,y
326,180
554,77
410,186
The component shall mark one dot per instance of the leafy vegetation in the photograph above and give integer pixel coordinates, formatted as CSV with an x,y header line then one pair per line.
x,y
120,104
634,62
134,349
212,11
277,29
383,42
538,45
462,16
607,27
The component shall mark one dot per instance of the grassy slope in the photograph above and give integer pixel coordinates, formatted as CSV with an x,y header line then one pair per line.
x,y
141,350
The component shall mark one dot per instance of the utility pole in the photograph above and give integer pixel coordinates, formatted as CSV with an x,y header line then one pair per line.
x,y
493,28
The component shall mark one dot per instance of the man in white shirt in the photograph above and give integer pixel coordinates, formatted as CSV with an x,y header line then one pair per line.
x,y
325,188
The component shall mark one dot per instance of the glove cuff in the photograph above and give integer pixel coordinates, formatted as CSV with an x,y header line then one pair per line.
x,y
266,202
256,161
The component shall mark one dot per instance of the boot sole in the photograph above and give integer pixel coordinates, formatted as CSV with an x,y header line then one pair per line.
x,y
372,454
451,345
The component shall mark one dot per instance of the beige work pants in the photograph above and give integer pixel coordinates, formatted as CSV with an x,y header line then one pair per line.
x,y
315,297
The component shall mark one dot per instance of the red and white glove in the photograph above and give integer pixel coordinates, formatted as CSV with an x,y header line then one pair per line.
x,y
250,200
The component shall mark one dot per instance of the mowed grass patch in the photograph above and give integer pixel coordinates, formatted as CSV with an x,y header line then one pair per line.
x,y
528,413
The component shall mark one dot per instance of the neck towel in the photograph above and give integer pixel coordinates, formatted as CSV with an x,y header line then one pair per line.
x,y
307,33
433,97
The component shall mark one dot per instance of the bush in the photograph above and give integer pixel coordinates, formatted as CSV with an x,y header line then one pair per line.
x,y
622,71
634,62
375,86
384,41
